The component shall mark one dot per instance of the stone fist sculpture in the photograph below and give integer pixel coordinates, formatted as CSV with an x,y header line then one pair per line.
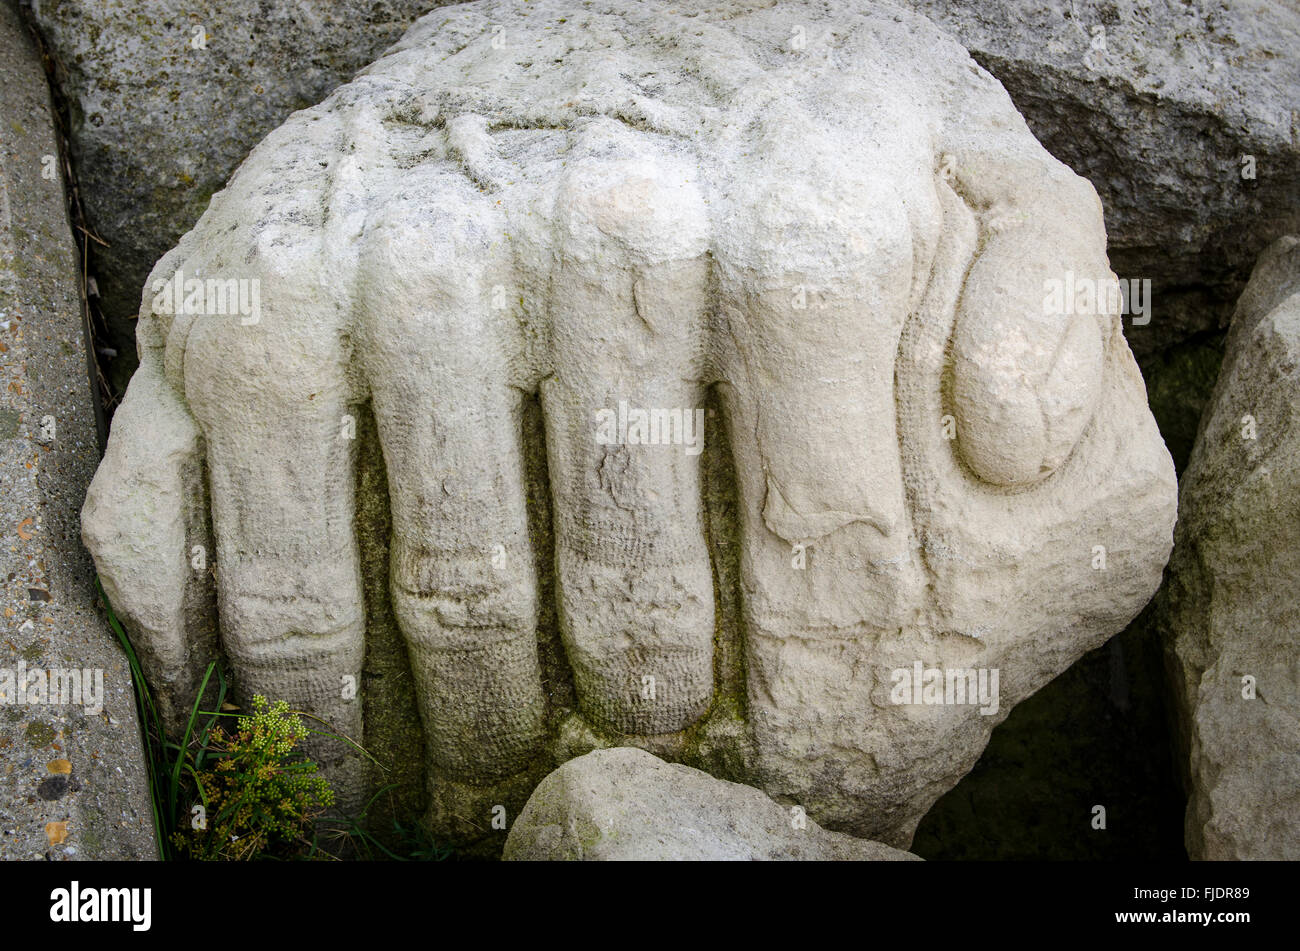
x,y
679,375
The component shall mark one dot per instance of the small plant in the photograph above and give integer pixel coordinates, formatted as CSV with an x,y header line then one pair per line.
x,y
261,796
257,796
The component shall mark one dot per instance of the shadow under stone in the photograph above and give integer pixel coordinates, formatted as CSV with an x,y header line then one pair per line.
x,y
1097,735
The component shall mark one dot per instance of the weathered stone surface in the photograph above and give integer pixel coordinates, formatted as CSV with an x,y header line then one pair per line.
x,y
830,261
166,98
1158,121
624,804
73,783
1229,612
1157,102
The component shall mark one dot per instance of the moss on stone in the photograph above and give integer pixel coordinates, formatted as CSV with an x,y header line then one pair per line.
x,y
39,734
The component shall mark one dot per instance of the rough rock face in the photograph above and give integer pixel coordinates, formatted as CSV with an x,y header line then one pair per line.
x,y
73,781
1159,103
623,804
643,379
1229,612
1158,120
166,98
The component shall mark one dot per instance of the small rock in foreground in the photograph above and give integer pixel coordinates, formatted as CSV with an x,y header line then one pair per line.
x,y
625,804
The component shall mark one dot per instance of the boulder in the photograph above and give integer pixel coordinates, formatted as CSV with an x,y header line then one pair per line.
x,y
1228,613
624,804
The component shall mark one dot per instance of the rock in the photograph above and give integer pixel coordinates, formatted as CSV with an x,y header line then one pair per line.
x,y
1166,107
1159,120
703,398
624,804
166,98
1228,613
101,808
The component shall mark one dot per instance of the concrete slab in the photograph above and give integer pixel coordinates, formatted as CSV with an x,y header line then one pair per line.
x,y
73,782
